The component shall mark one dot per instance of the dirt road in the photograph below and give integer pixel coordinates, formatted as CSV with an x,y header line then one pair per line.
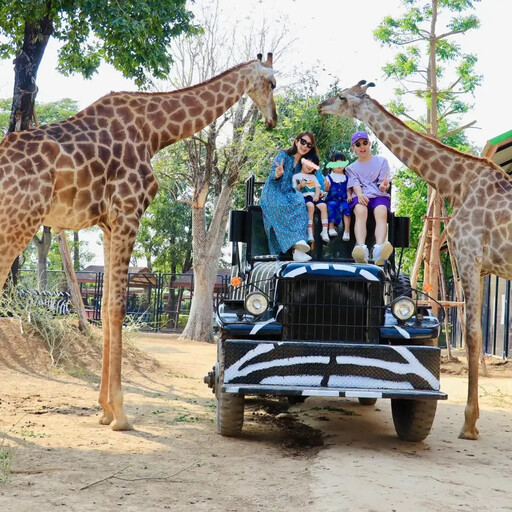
x,y
323,455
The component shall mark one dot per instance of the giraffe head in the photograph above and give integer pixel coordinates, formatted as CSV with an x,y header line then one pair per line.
x,y
347,102
262,90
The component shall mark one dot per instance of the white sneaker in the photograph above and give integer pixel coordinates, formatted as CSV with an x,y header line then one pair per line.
x,y
333,232
300,256
325,236
360,254
382,252
301,245
346,236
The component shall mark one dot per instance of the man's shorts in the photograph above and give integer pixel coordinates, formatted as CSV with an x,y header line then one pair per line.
x,y
309,199
373,202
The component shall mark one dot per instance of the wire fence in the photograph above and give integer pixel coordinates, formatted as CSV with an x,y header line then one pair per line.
x,y
155,301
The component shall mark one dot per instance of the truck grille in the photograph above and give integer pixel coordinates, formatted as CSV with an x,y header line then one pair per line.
x,y
324,310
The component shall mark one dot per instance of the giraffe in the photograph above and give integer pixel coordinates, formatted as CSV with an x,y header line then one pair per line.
x,y
480,229
95,169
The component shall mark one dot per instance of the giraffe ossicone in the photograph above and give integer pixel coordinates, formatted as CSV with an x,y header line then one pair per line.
x,y
95,169
480,230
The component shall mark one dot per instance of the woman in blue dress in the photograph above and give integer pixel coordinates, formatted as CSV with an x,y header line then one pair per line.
x,y
284,215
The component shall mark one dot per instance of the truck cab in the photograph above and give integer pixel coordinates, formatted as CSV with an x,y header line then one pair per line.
x,y
328,327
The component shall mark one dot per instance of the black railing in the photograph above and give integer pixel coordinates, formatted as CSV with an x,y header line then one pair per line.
x,y
155,301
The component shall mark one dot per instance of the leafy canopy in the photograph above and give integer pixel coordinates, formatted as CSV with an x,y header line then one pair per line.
x,y
133,37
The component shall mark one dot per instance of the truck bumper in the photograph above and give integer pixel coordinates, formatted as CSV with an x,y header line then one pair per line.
x,y
331,369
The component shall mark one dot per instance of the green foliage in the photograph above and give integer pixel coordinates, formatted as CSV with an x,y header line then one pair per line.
x,y
413,34
133,37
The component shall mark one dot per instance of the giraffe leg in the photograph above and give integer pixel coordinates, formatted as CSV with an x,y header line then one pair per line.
x,y
472,290
119,245
108,414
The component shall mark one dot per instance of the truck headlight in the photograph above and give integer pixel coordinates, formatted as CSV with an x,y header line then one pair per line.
x,y
403,308
256,303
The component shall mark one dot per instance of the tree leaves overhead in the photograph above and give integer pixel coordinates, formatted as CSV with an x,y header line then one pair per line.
x,y
134,37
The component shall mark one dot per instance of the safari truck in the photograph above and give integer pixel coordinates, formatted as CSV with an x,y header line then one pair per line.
x,y
326,328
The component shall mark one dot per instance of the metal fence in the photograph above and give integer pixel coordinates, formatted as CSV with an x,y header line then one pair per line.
x,y
155,301
496,318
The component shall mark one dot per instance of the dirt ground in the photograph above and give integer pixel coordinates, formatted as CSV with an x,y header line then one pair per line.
x,y
323,455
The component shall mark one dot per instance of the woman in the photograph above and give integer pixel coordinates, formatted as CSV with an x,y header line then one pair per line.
x,y
284,215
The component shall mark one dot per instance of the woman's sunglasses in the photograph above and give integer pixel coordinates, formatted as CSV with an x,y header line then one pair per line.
x,y
358,144
304,142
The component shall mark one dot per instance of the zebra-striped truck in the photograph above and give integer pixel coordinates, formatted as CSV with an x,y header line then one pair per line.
x,y
329,327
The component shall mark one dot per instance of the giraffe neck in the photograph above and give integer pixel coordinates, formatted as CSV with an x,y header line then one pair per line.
x,y
174,116
442,167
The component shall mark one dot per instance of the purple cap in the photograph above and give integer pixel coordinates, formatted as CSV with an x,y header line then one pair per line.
x,y
357,136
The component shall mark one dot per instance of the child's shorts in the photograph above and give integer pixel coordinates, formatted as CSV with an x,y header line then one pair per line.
x,y
309,199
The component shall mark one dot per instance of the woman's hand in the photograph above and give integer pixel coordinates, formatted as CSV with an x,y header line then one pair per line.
x,y
279,169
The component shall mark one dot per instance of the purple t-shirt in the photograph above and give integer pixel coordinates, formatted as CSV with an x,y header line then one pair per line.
x,y
368,175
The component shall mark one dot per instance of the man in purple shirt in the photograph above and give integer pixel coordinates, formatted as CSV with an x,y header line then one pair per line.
x,y
368,177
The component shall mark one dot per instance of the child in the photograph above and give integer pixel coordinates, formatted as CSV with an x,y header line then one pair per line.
x,y
309,186
338,195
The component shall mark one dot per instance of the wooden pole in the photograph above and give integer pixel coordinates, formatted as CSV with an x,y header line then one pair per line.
x,y
74,289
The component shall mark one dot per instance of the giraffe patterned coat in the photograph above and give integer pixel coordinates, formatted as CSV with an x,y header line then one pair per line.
x,y
284,215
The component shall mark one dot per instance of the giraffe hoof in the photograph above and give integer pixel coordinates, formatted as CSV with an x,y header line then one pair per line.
x,y
471,435
121,424
106,419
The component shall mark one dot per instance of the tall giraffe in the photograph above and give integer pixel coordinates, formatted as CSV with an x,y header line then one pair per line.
x,y
95,169
480,229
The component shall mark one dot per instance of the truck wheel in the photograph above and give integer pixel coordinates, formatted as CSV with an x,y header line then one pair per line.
x,y
367,401
413,418
230,406
230,414
402,287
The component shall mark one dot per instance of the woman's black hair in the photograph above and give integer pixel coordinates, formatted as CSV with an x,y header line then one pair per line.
x,y
338,156
291,151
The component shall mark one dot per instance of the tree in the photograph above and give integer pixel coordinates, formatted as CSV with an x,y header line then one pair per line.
x,y
430,55
134,40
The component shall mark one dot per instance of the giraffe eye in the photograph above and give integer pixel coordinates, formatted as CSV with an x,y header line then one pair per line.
x,y
342,97
272,85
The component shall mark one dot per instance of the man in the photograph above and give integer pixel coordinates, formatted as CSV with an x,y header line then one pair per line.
x,y
368,177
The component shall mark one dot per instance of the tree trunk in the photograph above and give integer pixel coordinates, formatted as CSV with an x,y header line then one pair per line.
x,y
26,65
206,248
74,289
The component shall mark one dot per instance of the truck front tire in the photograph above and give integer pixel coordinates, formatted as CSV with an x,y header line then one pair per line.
x,y
413,418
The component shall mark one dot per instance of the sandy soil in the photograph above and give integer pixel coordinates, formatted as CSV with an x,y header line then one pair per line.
x,y
323,455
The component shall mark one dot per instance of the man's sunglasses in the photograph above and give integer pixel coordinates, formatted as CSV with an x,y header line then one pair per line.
x,y
358,144
304,142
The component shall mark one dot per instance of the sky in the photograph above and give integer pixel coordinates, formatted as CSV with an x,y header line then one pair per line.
x,y
334,38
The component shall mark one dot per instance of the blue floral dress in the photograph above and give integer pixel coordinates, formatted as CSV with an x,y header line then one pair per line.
x,y
284,216
337,204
